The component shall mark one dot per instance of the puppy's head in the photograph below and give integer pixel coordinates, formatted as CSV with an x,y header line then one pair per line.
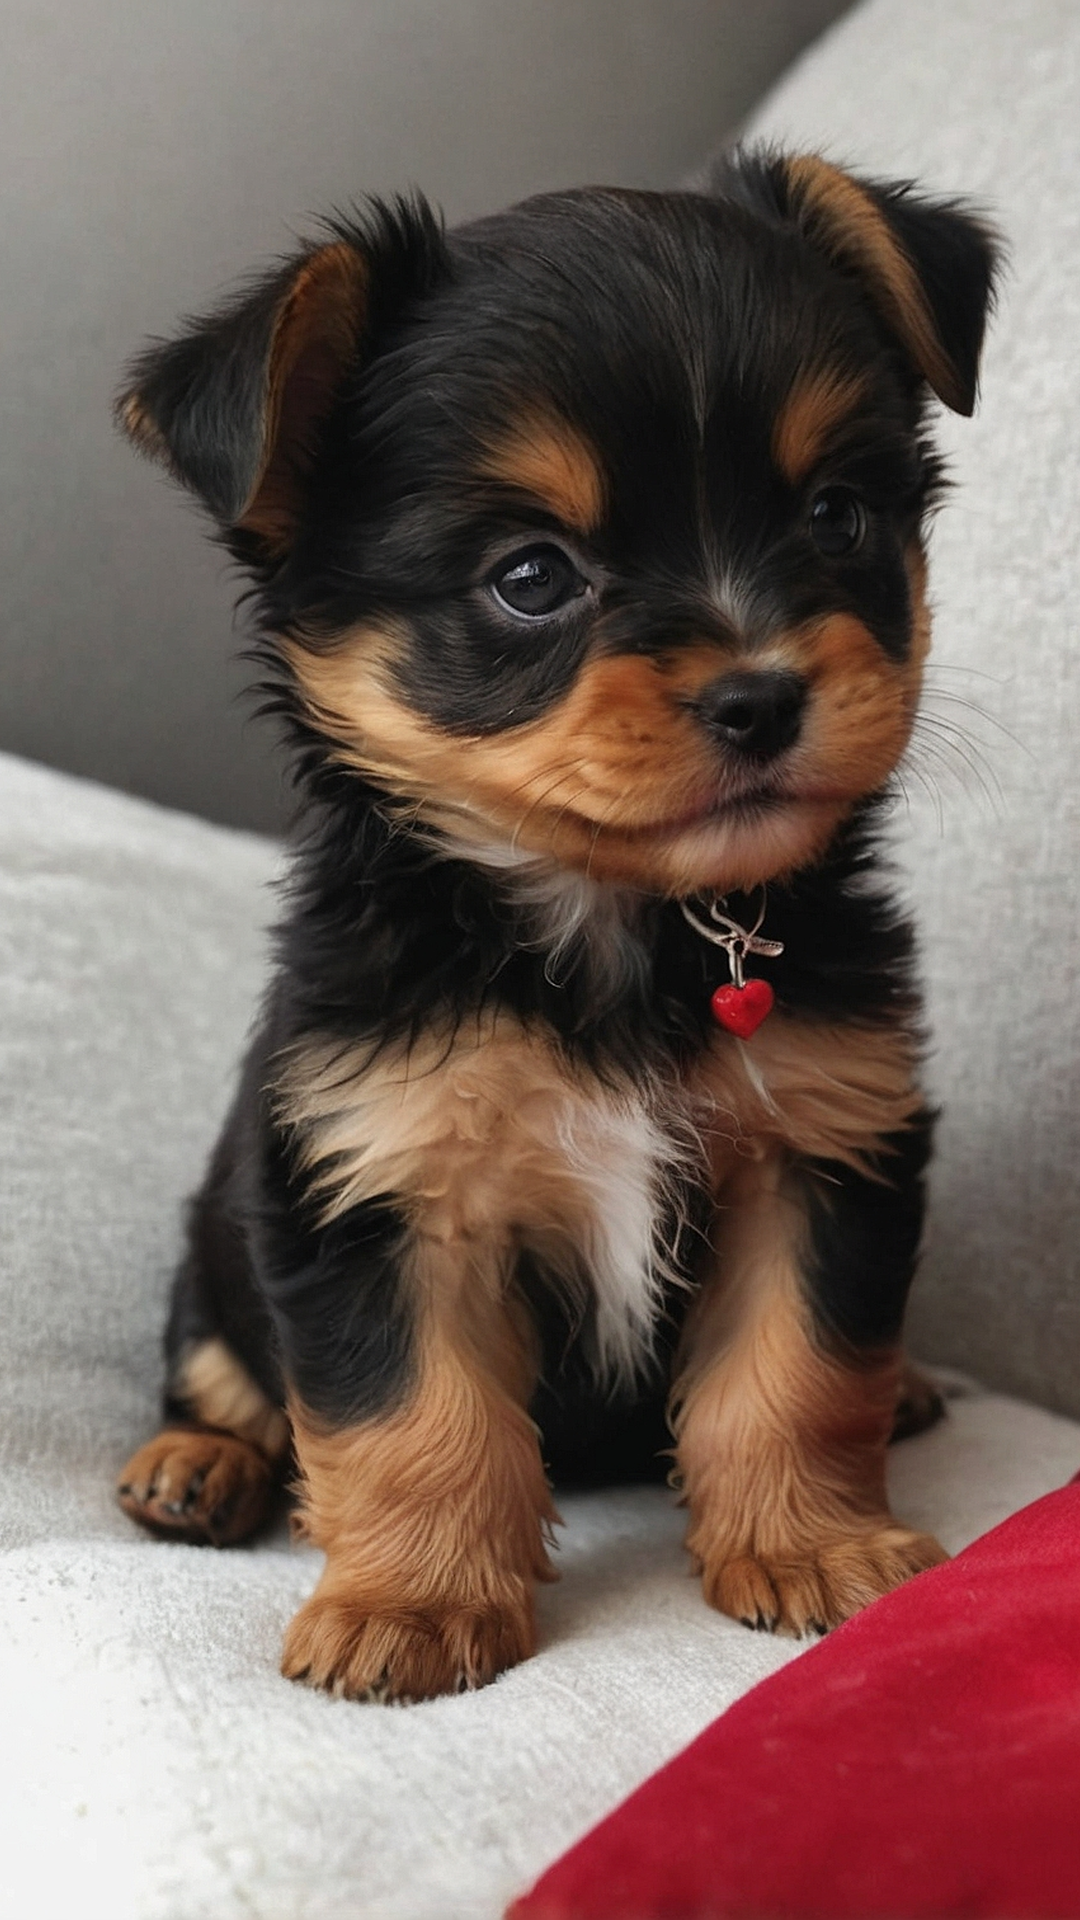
x,y
593,529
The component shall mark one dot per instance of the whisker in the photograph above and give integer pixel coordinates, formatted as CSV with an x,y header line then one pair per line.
x,y
976,673
597,830
900,787
575,796
961,756
959,747
986,715
560,775
911,765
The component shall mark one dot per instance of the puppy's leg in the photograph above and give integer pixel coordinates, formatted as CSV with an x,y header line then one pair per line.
x,y
211,1474
433,1512
787,1395
206,1487
209,1477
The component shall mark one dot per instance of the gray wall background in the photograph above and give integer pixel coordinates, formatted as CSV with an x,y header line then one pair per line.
x,y
151,151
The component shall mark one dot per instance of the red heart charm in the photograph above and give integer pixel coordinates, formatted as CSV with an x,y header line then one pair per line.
x,y
742,1009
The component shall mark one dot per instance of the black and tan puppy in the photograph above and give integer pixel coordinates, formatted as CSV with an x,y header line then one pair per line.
x,y
587,550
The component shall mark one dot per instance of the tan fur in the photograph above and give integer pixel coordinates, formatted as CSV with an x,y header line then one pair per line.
x,y
435,1519
490,1129
315,333
855,230
550,463
618,779
604,754
821,1090
915,565
141,430
816,406
780,1447
187,1484
220,1391
861,708
489,1139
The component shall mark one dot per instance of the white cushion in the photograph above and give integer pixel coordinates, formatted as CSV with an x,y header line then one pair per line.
x,y
157,1767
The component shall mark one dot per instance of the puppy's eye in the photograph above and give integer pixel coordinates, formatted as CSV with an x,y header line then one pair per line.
x,y
837,521
536,582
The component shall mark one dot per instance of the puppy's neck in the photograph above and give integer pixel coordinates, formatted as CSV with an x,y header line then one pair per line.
x,y
568,918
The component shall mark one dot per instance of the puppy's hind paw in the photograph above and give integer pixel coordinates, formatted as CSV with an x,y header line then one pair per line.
x,y
920,1404
204,1487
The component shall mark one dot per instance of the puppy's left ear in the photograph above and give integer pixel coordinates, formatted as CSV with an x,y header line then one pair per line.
x,y
928,266
237,408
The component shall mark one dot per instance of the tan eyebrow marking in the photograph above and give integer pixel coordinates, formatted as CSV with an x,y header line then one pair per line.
x,y
548,458
813,409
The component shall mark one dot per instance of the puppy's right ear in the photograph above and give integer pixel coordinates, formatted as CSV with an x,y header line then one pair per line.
x,y
235,407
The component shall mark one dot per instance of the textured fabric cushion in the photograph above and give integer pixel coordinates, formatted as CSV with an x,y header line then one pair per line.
x,y
162,1769
985,100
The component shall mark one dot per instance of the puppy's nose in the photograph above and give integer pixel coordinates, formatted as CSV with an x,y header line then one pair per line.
x,y
759,714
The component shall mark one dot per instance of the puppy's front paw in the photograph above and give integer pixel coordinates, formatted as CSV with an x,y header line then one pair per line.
x,y
188,1484
402,1654
809,1592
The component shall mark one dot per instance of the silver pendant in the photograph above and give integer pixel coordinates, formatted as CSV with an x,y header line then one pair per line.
x,y
727,932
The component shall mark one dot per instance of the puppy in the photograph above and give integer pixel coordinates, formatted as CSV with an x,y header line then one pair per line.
x,y
586,544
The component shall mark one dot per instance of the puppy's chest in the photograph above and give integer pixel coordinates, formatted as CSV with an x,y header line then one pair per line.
x,y
495,1141
492,1136
491,1129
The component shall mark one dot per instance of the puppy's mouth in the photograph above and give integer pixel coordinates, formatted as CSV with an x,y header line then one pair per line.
x,y
722,810
745,808
724,840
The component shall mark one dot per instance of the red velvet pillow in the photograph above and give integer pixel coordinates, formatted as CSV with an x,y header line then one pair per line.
x,y
924,1760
